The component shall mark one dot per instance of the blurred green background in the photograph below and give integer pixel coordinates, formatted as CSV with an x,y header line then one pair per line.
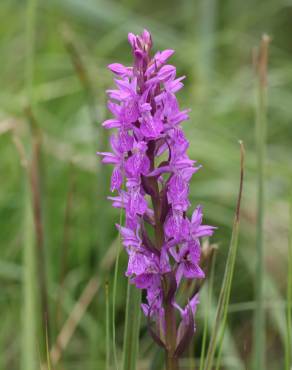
x,y
60,132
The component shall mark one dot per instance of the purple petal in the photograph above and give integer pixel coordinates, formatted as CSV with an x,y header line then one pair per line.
x,y
151,128
203,231
166,73
175,85
197,216
132,39
137,264
179,274
120,70
108,158
111,123
193,303
192,271
116,179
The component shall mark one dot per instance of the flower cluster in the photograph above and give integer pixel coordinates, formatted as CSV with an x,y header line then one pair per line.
x,y
149,150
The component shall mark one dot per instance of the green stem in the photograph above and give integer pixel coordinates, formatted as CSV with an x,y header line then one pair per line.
x,y
29,339
170,337
107,328
132,328
115,295
222,308
29,330
171,363
206,318
288,347
226,302
259,324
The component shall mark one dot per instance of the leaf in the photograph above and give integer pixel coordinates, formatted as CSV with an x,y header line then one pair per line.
x,y
29,311
132,326
261,123
222,308
288,341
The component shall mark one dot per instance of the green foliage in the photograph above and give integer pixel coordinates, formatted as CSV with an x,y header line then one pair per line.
x,y
29,314
218,331
261,65
288,343
207,313
132,326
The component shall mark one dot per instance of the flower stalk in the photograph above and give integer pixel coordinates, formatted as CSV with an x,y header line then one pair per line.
x,y
170,336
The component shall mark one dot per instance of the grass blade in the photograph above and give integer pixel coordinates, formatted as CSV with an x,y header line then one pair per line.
x,y
35,176
107,328
29,333
118,249
114,298
48,351
230,350
259,323
207,313
222,308
29,341
132,326
288,343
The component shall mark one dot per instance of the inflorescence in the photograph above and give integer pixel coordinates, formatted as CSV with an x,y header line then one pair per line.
x,y
149,151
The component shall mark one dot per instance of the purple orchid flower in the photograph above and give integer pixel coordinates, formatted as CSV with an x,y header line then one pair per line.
x,y
188,258
187,315
149,150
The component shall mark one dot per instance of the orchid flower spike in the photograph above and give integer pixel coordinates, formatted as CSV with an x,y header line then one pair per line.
x,y
149,150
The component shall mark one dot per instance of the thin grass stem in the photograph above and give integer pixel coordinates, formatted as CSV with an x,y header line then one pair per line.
x,y
29,338
223,300
226,302
48,351
29,330
107,328
132,326
206,317
261,123
288,343
115,294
